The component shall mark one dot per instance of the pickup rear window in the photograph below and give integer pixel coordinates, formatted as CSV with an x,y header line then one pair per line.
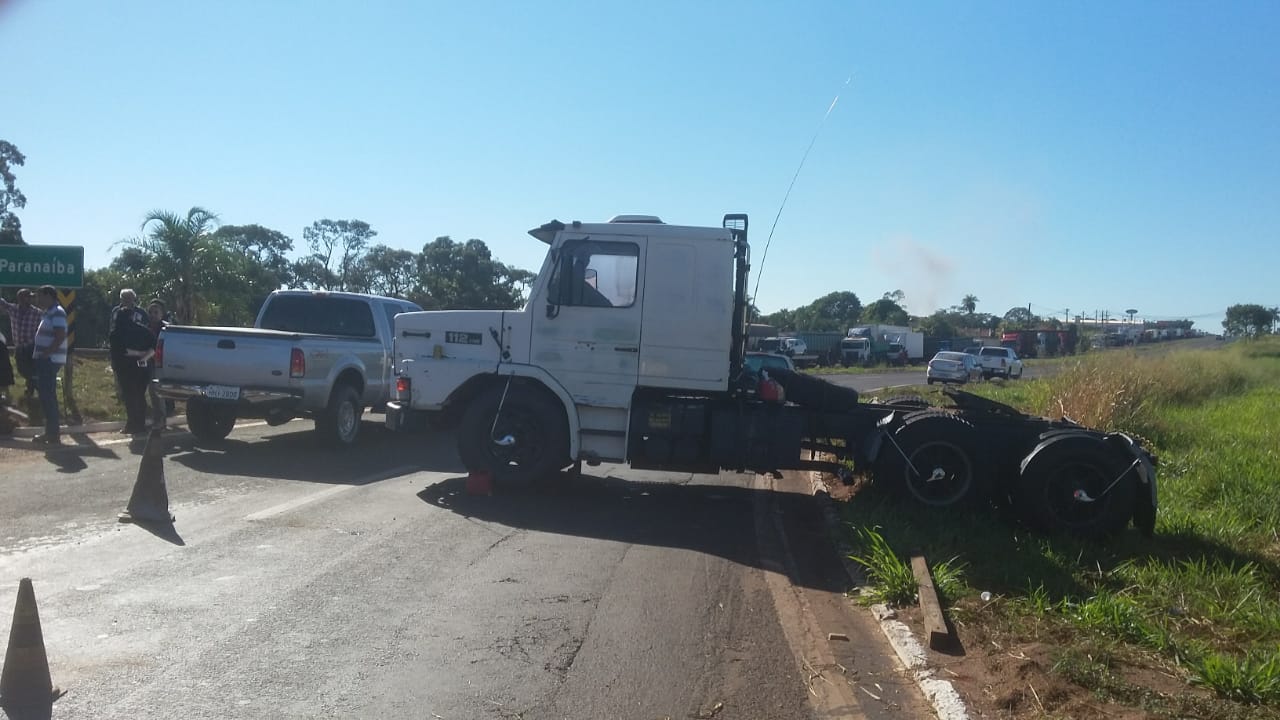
x,y
994,351
319,315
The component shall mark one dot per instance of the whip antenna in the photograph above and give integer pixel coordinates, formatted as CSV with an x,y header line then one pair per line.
x,y
765,255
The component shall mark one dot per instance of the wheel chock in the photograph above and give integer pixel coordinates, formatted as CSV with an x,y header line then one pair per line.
x,y
479,483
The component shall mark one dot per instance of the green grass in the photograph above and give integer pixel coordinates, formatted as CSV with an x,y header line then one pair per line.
x,y
1200,600
93,388
859,370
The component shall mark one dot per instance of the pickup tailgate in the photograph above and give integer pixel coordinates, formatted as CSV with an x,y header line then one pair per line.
x,y
239,357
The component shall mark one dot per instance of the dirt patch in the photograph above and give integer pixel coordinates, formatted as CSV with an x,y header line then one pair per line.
x,y
1017,681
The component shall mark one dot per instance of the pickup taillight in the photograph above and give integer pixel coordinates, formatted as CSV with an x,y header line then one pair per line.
x,y
159,356
402,388
297,363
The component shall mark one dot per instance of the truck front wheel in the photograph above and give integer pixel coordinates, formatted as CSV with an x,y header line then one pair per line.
x,y
210,422
518,440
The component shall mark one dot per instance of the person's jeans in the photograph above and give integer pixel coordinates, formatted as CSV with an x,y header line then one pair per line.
x,y
47,387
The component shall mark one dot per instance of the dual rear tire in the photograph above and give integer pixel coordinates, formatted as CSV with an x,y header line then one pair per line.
x,y
1077,485
932,459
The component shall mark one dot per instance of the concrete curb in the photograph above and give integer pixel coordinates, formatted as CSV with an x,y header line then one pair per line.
x,y
32,431
941,694
28,431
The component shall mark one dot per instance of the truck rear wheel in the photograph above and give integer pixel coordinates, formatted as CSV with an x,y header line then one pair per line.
x,y
339,424
524,441
932,459
210,422
1079,485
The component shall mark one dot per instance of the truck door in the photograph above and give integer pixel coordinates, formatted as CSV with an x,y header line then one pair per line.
x,y
588,334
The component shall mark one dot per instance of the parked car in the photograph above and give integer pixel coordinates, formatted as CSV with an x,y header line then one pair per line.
x,y
957,367
757,361
1000,362
973,350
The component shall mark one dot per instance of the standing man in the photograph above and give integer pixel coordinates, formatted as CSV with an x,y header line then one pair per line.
x,y
24,319
160,408
49,354
129,333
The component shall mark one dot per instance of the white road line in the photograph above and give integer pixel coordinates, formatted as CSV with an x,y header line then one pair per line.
x,y
296,503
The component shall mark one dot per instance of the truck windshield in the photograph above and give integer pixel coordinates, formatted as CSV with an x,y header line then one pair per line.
x,y
319,315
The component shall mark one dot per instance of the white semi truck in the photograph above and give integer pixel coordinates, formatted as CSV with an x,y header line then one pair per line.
x,y
631,350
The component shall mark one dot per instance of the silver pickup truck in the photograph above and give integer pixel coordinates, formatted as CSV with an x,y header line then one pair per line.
x,y
325,355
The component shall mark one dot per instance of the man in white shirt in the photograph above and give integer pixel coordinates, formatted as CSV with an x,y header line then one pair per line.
x,y
49,355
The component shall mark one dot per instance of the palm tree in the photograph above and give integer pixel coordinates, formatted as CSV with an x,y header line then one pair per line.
x,y
969,303
182,257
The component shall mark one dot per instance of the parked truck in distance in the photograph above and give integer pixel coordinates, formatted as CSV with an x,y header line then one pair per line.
x,y
876,344
630,350
1042,342
325,355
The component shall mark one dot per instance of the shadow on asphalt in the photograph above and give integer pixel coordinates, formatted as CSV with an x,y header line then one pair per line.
x,y
164,531
713,519
68,457
300,455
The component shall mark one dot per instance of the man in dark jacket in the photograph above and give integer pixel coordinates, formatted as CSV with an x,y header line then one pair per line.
x,y
129,338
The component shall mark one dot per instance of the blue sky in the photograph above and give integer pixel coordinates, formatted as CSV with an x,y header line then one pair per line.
x,y
1085,156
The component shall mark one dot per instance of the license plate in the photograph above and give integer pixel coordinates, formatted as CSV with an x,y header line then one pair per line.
x,y
222,392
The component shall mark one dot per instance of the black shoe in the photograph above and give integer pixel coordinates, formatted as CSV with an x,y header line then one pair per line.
x,y
47,440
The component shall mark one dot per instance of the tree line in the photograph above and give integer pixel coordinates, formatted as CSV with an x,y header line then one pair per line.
x,y
1251,320
839,311
208,274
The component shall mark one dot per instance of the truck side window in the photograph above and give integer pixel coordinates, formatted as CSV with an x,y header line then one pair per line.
x,y
595,274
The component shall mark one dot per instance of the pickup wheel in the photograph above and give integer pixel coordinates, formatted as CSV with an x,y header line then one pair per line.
x,y
524,441
339,424
210,422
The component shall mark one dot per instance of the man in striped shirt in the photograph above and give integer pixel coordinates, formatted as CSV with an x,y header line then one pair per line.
x,y
50,354
24,318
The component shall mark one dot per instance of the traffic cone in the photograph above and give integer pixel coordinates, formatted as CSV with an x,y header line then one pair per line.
x,y
479,483
25,680
150,499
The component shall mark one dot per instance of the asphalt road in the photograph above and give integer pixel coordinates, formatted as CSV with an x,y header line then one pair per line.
x,y
302,581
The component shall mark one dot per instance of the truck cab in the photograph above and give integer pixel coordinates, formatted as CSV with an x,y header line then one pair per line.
x,y
629,306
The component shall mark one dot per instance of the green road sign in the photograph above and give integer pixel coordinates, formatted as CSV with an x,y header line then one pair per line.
x,y
33,265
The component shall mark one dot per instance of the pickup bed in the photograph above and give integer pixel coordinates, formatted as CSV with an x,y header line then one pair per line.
x,y
325,355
